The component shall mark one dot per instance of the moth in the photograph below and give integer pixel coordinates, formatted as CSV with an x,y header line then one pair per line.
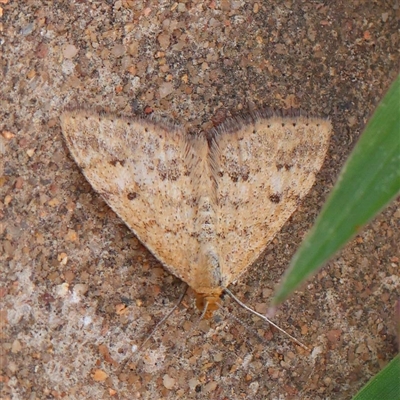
x,y
205,205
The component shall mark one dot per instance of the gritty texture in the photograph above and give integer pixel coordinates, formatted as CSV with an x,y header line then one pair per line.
x,y
79,292
206,212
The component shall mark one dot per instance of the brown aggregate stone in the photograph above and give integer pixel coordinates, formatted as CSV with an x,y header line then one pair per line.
x,y
187,61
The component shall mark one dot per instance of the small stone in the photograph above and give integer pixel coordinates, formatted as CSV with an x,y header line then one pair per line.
x,y
168,382
352,120
121,309
27,29
163,40
166,88
99,375
12,366
70,51
7,135
261,308
80,289
30,152
71,236
63,259
19,183
280,49
225,5
118,50
193,383
62,290
210,387
254,386
327,381
16,346
361,349
68,275
31,74
266,293
134,348
53,202
182,7
42,50
334,335
304,330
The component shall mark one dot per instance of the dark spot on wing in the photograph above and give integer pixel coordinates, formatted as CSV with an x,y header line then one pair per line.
x,y
280,166
275,198
115,162
237,172
131,195
169,171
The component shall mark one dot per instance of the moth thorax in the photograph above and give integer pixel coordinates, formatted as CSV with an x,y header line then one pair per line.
x,y
206,219
209,300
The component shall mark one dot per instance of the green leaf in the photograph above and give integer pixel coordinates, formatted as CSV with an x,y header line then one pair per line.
x,y
369,180
385,385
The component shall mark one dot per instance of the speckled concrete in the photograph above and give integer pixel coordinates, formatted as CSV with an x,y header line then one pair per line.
x,y
78,291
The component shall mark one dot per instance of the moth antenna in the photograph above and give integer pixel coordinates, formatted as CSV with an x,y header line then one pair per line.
x,y
196,324
263,317
247,327
159,323
151,334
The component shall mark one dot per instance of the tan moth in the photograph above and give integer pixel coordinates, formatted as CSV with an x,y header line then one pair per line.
x,y
205,205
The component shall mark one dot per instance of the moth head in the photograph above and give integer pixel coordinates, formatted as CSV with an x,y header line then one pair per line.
x,y
207,303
